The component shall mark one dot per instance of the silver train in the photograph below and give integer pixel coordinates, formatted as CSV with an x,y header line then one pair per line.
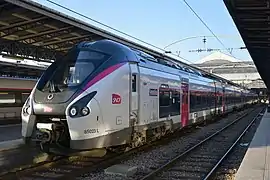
x,y
13,93
103,94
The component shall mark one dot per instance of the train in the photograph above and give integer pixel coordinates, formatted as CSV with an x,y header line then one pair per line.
x,y
13,93
104,94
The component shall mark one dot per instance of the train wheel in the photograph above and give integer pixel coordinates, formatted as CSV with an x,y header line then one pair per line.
x,y
163,131
157,133
138,139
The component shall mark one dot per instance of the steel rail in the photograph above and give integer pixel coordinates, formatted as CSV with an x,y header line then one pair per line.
x,y
212,171
28,169
153,174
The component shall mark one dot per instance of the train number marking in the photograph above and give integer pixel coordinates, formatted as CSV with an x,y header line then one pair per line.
x,y
90,131
116,99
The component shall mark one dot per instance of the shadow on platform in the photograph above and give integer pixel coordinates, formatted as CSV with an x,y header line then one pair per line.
x,y
21,157
256,163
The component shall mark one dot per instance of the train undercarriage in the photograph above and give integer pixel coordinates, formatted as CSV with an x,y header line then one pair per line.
x,y
50,132
52,135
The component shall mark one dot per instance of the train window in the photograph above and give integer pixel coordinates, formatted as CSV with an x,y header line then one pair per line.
x,y
164,96
204,100
219,100
134,80
7,98
175,103
169,101
164,100
211,100
199,101
192,102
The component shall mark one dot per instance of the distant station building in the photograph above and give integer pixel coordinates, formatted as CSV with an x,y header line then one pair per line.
x,y
228,67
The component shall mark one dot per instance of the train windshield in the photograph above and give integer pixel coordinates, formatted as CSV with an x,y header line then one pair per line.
x,y
73,69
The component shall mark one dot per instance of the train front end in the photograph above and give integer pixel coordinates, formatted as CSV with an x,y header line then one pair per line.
x,y
63,107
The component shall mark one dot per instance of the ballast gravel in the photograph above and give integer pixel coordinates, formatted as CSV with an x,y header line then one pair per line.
x,y
230,166
149,160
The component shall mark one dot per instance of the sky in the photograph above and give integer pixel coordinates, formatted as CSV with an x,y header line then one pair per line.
x,y
162,22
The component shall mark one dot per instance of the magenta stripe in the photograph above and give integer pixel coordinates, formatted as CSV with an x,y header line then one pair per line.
x,y
102,75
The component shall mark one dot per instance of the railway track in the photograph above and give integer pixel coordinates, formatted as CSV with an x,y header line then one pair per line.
x,y
71,167
59,166
162,152
228,168
202,160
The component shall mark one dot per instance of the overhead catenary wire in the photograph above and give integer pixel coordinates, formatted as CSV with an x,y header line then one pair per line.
x,y
50,1
207,26
121,32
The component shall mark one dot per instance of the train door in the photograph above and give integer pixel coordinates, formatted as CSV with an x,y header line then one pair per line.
x,y
134,94
184,104
216,98
223,100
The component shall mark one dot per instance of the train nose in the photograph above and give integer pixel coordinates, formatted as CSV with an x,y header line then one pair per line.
x,y
44,131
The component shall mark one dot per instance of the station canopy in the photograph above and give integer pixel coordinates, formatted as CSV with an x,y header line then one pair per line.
x,y
252,18
20,71
33,31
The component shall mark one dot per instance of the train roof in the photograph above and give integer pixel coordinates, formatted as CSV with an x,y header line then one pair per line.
x,y
162,59
180,66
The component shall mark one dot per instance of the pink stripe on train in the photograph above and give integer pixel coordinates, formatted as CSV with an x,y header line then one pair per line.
x,y
101,75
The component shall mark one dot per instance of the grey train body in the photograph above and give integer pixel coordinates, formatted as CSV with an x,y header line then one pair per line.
x,y
103,94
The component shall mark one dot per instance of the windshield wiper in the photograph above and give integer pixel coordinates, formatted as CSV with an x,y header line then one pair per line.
x,y
52,87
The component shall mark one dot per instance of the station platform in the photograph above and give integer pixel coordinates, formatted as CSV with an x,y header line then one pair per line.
x,y
11,144
9,121
10,136
256,162
10,132
10,115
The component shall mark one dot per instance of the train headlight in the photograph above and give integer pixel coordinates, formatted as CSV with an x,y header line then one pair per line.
x,y
24,109
73,111
85,111
28,110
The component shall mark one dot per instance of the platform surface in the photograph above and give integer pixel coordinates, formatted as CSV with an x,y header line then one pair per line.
x,y
10,132
10,121
256,162
11,144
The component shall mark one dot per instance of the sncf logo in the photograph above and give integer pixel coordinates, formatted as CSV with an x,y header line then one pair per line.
x,y
116,99
47,109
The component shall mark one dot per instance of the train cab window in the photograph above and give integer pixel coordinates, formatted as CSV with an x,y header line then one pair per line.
x,y
133,81
72,70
